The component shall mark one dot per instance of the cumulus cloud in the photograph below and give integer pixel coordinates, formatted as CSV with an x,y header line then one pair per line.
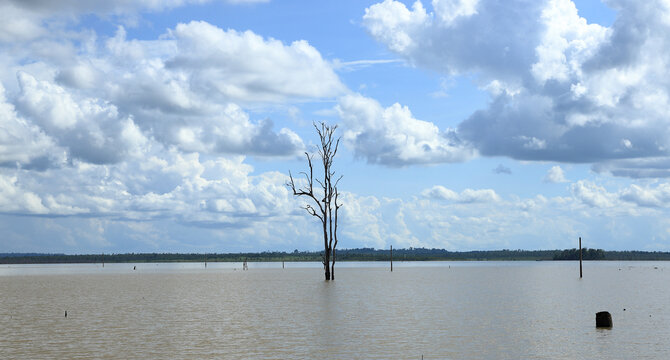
x,y
392,136
18,24
593,194
625,198
188,94
555,175
16,199
140,202
135,133
186,89
161,184
23,143
439,192
562,89
648,196
474,219
475,37
443,218
451,10
243,66
363,218
394,24
91,129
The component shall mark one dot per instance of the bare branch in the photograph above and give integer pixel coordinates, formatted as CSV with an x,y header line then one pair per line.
x,y
326,204
313,212
338,181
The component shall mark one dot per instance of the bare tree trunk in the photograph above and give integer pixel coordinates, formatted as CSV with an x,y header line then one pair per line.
x,y
326,262
326,198
332,268
326,250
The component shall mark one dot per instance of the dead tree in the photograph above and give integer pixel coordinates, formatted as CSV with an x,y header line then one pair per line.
x,y
325,198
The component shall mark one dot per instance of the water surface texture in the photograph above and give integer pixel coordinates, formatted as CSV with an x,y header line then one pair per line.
x,y
441,310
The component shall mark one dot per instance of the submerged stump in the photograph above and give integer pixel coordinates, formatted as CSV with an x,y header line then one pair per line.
x,y
603,319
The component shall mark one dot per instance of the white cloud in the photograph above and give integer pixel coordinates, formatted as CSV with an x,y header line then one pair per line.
x,y
651,197
242,66
363,218
160,184
180,89
18,24
449,11
593,195
392,136
15,199
555,175
562,89
467,196
203,74
443,40
460,223
22,142
394,24
625,199
90,129
148,135
79,76
566,43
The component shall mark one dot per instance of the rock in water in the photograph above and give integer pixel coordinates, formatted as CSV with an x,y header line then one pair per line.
x,y
603,319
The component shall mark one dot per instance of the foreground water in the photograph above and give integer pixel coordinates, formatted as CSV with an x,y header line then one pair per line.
x,y
441,310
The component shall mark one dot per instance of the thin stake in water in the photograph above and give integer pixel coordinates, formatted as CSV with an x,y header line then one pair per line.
x,y
391,258
580,257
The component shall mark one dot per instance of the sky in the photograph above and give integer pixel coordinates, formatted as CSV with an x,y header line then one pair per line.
x,y
171,126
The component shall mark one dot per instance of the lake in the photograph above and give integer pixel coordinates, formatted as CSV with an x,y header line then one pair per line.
x,y
438,310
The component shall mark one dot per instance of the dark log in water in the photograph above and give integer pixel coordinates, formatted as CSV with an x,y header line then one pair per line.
x,y
603,319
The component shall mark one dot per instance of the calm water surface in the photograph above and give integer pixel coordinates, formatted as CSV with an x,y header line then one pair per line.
x,y
441,310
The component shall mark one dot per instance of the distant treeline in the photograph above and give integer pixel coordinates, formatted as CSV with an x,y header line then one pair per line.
x,y
362,254
587,254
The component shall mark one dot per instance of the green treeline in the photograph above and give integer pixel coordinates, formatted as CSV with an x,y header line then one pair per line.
x,y
362,254
587,254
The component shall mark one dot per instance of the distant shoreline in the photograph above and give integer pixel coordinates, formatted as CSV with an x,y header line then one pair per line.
x,y
362,254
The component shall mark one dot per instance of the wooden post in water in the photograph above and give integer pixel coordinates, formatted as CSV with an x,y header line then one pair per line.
x,y
604,320
580,257
391,258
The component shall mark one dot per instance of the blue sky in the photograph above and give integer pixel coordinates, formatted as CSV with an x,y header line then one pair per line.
x,y
170,126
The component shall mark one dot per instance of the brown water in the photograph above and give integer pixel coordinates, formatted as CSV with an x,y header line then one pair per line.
x,y
492,310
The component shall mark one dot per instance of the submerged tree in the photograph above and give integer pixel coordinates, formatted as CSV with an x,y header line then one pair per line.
x,y
325,197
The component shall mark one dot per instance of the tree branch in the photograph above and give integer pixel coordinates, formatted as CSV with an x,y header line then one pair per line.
x,y
324,208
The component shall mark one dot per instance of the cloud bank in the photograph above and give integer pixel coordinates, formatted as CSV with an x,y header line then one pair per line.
x,y
561,89
392,136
